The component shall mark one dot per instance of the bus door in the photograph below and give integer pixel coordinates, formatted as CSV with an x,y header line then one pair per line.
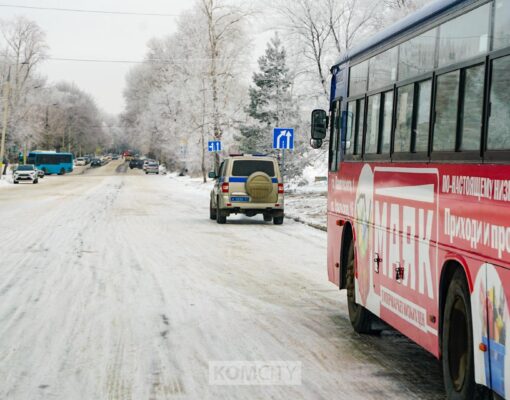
x,y
404,249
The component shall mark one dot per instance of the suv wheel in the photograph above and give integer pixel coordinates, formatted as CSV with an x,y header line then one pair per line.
x,y
35,181
220,218
278,220
212,211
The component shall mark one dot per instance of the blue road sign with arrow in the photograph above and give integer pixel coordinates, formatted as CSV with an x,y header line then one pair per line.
x,y
283,138
214,145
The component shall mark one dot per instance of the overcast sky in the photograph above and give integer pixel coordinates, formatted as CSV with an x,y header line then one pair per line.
x,y
98,36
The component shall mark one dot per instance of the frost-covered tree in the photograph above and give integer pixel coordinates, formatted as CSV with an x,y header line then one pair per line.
x,y
271,103
185,94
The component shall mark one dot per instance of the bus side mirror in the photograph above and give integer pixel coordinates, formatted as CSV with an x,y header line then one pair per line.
x,y
212,175
319,124
315,143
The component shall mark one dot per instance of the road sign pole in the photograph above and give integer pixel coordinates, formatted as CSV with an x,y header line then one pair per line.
x,y
283,165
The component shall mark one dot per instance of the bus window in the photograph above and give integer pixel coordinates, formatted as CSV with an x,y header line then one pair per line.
x,y
464,37
387,118
447,96
360,123
334,141
351,127
404,126
421,132
498,136
501,28
473,108
383,69
371,137
358,79
417,55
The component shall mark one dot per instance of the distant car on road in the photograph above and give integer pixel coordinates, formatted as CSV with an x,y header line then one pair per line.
x,y
40,173
81,161
152,168
115,157
135,163
96,162
250,185
25,173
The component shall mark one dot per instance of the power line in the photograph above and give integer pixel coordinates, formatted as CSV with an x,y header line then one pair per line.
x,y
93,60
77,10
113,61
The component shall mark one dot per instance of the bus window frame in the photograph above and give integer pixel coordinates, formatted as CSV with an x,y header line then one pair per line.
x,y
336,106
421,156
467,156
492,156
361,145
386,157
472,156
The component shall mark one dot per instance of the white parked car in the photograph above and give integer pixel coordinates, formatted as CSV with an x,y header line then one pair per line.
x,y
25,173
81,161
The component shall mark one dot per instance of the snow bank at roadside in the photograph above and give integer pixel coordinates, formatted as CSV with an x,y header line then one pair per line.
x,y
308,204
6,180
305,202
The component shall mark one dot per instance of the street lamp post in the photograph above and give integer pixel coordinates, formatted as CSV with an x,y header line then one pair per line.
x,y
6,90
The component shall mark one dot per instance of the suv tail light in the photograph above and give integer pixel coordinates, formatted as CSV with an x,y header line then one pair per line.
x,y
224,187
280,188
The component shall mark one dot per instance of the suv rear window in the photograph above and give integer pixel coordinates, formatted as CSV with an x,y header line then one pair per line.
x,y
248,167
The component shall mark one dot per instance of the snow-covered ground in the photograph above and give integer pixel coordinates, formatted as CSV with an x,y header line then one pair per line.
x,y
116,285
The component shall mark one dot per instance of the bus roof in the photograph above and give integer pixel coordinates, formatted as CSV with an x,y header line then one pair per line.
x,y
48,152
402,27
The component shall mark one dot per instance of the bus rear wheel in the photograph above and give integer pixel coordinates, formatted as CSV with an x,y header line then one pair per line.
x,y
457,344
361,318
62,171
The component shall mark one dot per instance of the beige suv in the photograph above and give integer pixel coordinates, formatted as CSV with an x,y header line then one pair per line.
x,y
250,185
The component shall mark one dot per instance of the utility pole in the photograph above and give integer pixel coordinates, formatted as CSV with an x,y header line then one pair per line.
x,y
5,119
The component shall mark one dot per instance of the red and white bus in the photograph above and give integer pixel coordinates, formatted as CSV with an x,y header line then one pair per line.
x,y
419,186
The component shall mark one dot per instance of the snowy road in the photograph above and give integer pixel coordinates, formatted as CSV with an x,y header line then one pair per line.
x,y
115,285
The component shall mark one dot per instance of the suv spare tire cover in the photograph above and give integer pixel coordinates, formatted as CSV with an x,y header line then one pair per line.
x,y
260,188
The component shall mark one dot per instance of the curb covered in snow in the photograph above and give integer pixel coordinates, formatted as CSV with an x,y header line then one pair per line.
x,y
310,224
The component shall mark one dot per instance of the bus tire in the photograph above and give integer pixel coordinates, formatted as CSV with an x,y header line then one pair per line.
x,y
62,171
457,343
361,319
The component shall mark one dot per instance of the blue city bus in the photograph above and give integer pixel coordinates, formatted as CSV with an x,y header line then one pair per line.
x,y
51,162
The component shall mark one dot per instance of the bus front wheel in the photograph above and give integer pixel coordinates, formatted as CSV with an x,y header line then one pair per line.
x,y
457,343
361,319
62,171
